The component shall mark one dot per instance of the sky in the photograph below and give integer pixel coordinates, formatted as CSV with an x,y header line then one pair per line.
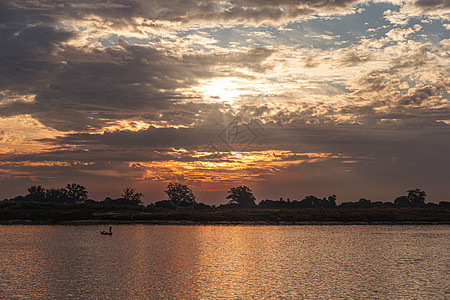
x,y
291,98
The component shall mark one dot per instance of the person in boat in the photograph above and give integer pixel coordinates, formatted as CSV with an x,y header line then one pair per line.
x,y
105,232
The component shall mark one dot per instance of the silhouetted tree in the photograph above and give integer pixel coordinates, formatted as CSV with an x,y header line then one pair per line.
x,y
314,202
36,193
416,197
19,199
241,195
108,200
364,203
132,197
331,201
309,201
180,195
274,204
402,201
76,193
349,205
56,195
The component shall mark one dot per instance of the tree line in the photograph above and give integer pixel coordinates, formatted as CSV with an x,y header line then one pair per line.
x,y
76,193
180,196
242,197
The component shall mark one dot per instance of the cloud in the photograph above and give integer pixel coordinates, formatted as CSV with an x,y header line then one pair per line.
x,y
413,86
136,15
105,84
418,9
133,89
398,34
377,154
352,57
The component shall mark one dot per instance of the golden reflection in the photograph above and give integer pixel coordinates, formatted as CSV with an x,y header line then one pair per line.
x,y
223,262
226,259
27,264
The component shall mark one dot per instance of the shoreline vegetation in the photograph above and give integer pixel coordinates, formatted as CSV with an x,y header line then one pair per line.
x,y
85,214
71,205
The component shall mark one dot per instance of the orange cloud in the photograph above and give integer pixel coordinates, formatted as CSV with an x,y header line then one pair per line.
x,y
225,166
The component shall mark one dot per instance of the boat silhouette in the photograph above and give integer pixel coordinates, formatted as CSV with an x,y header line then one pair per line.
x,y
106,232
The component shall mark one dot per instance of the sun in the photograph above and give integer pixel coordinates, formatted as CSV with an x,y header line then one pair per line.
x,y
227,89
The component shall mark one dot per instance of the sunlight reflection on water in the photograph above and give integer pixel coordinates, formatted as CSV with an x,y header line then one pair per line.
x,y
232,262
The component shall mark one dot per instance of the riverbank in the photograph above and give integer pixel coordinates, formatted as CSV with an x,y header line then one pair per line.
x,y
82,214
214,223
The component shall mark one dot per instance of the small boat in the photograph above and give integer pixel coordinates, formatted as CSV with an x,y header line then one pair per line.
x,y
106,232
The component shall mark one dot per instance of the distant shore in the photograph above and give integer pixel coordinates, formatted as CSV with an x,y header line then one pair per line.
x,y
86,214
215,223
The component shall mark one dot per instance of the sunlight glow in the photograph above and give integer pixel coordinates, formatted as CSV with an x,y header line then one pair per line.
x,y
230,89
225,166
127,125
8,97
223,89
24,134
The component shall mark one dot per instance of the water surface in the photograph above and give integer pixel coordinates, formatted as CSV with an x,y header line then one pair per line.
x,y
225,262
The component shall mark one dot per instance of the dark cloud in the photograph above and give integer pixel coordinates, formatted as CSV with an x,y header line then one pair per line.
x,y
101,84
123,13
379,156
431,5
26,55
129,14
106,84
417,96
352,57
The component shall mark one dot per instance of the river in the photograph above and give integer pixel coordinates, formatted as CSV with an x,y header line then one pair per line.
x,y
225,262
